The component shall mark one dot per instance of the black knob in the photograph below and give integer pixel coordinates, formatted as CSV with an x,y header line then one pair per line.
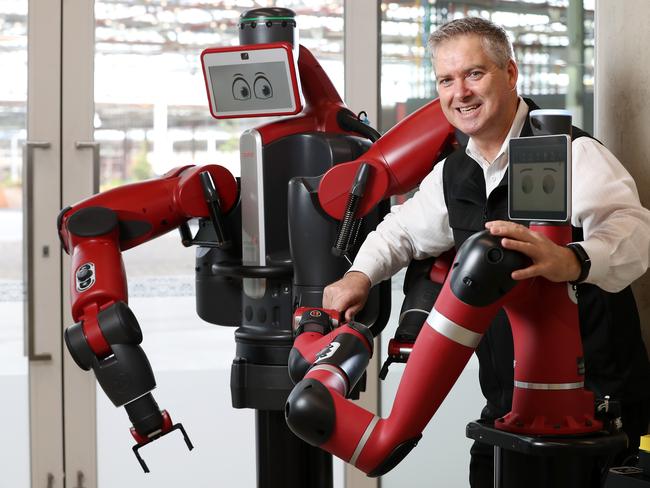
x,y
84,273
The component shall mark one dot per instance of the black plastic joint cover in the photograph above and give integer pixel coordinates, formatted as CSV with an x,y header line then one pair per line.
x,y
297,365
310,412
92,221
365,332
126,375
348,353
314,321
78,347
144,414
395,457
119,325
481,271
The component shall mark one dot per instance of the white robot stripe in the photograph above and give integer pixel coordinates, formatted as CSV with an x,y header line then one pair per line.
x,y
451,330
549,386
364,438
335,371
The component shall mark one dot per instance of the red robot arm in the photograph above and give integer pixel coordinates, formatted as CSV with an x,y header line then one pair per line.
x,y
478,285
400,160
106,335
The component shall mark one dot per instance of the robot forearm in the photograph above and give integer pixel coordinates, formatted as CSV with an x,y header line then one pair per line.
x,y
400,159
318,411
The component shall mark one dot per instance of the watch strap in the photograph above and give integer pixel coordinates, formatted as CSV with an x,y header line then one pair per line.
x,y
583,259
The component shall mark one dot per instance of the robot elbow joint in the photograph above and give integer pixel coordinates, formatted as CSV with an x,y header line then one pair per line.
x,y
310,412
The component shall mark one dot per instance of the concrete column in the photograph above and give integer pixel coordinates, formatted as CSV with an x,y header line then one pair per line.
x,y
622,91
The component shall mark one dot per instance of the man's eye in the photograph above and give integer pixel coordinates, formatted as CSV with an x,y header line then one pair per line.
x,y
475,75
444,82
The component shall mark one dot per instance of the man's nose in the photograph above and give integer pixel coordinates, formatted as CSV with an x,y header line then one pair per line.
x,y
462,90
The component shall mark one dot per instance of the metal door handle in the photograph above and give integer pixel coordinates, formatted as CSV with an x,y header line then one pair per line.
x,y
28,267
95,147
80,479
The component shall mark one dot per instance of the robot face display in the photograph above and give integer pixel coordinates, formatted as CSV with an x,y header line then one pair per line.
x,y
251,81
539,185
539,181
250,87
262,88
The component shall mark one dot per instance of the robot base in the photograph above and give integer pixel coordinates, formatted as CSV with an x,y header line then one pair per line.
x,y
564,451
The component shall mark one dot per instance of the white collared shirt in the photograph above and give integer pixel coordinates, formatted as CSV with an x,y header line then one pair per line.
x,y
605,204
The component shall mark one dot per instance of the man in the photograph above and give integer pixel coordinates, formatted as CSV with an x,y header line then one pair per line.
x,y
477,84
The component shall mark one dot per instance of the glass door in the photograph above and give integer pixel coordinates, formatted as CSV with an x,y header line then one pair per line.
x,y
134,79
30,327
13,132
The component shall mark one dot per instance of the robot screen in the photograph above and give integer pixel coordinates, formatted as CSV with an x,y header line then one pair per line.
x,y
540,178
251,81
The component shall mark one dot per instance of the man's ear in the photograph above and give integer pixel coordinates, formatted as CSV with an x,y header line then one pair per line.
x,y
513,73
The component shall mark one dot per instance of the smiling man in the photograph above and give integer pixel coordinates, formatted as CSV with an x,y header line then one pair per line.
x,y
477,83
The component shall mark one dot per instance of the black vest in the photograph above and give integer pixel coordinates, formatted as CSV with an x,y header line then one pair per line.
x,y
615,356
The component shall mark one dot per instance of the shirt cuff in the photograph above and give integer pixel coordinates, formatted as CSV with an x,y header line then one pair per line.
x,y
598,253
368,267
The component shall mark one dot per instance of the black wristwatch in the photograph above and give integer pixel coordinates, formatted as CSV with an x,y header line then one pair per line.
x,y
583,259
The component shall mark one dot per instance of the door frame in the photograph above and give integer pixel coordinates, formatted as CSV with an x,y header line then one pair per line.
x,y
42,250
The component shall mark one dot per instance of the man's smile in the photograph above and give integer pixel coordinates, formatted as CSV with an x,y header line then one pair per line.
x,y
468,109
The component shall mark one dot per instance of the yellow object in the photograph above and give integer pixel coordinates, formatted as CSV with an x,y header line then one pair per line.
x,y
645,443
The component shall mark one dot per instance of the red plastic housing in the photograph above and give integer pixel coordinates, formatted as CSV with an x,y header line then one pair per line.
x,y
400,159
549,362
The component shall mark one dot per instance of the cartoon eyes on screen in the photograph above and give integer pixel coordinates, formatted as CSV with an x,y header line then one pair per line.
x,y
528,180
241,89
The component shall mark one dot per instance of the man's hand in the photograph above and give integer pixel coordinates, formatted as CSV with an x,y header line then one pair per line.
x,y
347,295
553,262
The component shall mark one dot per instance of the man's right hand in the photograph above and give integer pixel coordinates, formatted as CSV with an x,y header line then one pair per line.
x,y
347,295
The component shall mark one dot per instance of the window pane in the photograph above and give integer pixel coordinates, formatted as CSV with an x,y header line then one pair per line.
x,y
13,365
553,43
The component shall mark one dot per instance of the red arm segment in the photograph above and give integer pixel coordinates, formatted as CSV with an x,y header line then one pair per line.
x,y
400,159
99,228
322,415
106,335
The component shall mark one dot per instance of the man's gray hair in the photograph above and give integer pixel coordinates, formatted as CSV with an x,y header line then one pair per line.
x,y
494,38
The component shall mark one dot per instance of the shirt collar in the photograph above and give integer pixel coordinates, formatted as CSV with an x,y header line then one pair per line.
x,y
515,130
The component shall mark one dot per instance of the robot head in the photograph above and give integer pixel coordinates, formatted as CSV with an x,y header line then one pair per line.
x,y
260,77
258,80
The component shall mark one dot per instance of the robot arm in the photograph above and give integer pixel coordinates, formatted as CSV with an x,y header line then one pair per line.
x,y
106,335
399,160
317,409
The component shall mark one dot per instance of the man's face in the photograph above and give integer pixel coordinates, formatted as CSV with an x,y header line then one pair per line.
x,y
475,94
